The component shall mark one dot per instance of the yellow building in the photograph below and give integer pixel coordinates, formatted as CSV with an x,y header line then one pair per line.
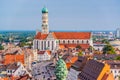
x,y
95,70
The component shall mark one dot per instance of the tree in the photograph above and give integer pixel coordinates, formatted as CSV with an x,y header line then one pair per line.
x,y
108,49
78,46
105,41
80,53
1,47
117,58
61,70
91,48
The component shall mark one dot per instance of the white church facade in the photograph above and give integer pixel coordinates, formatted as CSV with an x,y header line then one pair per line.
x,y
46,40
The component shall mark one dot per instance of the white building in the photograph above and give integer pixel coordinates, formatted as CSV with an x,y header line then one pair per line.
x,y
116,72
46,40
118,33
44,55
16,70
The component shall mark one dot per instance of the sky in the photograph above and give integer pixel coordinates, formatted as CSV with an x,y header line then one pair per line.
x,y
63,14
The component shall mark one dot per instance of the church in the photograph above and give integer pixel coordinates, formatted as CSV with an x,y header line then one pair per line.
x,y
45,40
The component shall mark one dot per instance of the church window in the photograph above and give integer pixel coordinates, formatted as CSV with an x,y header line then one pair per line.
x,y
59,41
48,43
63,41
52,44
37,44
82,41
44,45
73,41
77,41
68,41
87,41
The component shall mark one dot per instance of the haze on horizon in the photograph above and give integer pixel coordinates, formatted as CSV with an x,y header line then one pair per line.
x,y
63,14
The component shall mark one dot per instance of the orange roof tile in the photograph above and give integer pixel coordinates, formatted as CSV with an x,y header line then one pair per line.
x,y
72,35
84,46
41,36
49,52
61,46
72,61
65,35
9,58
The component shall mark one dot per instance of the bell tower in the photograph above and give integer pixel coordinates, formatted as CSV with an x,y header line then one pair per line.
x,y
45,27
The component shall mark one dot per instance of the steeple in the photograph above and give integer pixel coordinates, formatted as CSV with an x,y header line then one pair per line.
x,y
45,27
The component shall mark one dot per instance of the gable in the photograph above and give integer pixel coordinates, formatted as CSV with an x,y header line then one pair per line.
x,y
50,36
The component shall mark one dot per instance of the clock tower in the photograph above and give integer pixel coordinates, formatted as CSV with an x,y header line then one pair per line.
x,y
45,28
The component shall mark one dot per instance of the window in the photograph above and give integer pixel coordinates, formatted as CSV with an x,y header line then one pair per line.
x,y
52,44
8,71
77,41
82,41
48,44
68,41
87,41
42,44
37,44
73,41
59,41
119,71
63,41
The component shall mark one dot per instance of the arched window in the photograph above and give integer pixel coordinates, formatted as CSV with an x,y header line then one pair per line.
x,y
63,41
52,45
77,41
87,41
68,41
48,43
59,41
37,44
44,45
82,41
73,41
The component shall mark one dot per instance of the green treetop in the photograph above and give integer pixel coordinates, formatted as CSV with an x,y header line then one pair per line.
x,y
61,70
108,49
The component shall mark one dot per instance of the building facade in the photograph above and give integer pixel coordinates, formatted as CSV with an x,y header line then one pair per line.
x,y
46,40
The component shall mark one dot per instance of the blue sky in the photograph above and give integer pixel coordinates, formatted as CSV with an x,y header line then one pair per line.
x,y
63,14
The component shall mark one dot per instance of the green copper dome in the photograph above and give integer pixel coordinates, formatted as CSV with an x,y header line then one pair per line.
x,y
44,10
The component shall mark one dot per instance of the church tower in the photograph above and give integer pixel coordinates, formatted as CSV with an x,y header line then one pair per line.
x,y
45,28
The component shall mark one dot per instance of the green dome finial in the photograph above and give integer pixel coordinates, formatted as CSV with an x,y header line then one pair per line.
x,y
44,10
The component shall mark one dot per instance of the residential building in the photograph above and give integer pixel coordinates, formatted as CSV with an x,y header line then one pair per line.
x,y
11,58
44,55
76,68
94,70
28,58
3,72
16,70
115,68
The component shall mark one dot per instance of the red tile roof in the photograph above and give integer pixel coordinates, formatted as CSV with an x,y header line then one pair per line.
x,y
84,46
72,61
65,35
41,36
41,52
9,58
49,52
72,35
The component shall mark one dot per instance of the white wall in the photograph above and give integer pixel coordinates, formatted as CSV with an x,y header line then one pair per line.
x,y
116,72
